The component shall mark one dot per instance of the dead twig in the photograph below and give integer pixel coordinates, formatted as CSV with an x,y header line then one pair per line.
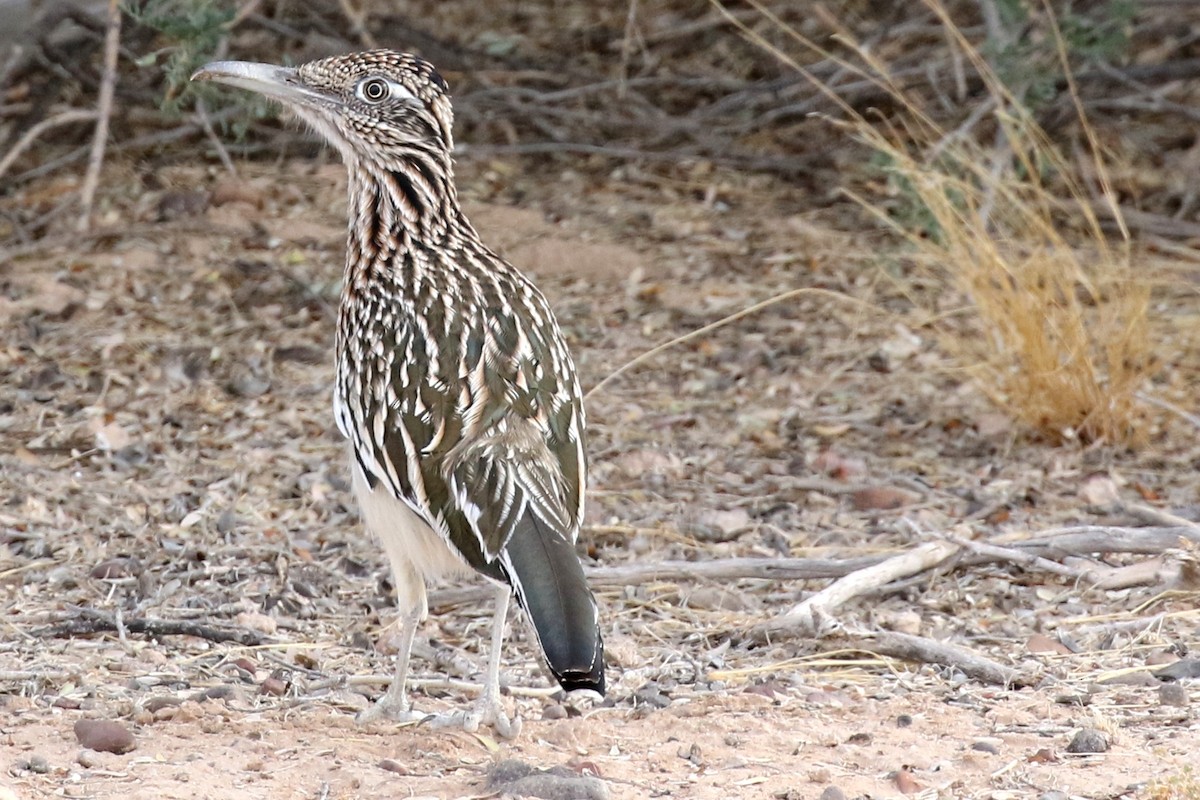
x,y
206,124
17,676
928,651
725,569
1017,556
1085,539
712,326
31,135
357,17
809,617
104,106
1165,406
1157,516
1036,553
1133,627
88,621
136,144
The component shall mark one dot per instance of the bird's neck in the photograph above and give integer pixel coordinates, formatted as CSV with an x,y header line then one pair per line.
x,y
401,204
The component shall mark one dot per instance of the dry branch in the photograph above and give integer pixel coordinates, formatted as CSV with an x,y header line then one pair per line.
x,y
31,135
726,569
1086,539
85,621
928,651
808,617
104,107
1028,560
1032,554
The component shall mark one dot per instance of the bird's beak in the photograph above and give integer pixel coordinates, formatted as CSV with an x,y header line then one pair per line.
x,y
278,83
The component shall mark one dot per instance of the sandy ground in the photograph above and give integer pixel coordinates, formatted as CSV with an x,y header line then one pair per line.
x,y
973,744
168,453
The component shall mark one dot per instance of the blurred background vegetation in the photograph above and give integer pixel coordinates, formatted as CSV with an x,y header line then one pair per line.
x,y
1024,154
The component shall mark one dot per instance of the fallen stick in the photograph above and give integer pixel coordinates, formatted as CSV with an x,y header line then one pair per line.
x,y
87,621
929,651
1085,539
806,618
724,569
1032,553
1017,556
1157,516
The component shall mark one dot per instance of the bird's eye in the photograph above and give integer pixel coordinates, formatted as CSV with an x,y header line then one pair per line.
x,y
374,90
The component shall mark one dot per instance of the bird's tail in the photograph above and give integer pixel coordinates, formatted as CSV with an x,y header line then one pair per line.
x,y
550,585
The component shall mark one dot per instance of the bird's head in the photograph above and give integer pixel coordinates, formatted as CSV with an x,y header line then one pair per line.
x,y
376,105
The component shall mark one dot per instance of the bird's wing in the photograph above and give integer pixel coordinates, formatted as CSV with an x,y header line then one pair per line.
x,y
523,452
472,456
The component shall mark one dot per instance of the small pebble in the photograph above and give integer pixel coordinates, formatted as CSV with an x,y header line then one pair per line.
x,y
832,793
38,765
1054,794
153,704
1172,694
392,765
245,665
903,721
984,746
819,775
1139,678
165,713
224,691
116,568
1088,740
690,753
1184,668
515,778
651,695
827,699
555,711
104,736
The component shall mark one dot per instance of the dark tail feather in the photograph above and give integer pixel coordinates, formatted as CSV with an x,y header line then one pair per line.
x,y
550,586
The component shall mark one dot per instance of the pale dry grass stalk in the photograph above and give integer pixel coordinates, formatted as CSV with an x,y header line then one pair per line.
x,y
1060,317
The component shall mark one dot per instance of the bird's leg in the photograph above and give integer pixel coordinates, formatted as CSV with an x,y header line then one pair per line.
x,y
394,705
487,709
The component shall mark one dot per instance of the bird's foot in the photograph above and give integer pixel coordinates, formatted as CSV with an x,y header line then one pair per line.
x,y
487,710
389,708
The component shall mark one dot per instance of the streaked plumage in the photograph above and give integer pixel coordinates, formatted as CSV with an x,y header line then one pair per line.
x,y
454,386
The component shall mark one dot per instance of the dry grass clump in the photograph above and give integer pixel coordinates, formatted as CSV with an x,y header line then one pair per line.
x,y
1056,327
1183,785
1062,337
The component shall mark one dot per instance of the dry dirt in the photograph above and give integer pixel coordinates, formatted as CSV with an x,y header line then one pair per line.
x,y
167,453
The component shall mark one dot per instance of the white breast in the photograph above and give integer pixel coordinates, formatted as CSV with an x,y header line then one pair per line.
x,y
416,551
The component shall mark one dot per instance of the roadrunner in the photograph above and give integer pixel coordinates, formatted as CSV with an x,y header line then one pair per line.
x,y
454,386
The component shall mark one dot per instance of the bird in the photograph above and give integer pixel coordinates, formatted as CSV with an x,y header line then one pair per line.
x,y
454,385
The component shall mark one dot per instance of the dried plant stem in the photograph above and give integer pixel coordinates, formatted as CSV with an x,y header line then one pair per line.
x,y
809,616
1025,559
1040,553
31,135
712,326
104,106
908,647
206,124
